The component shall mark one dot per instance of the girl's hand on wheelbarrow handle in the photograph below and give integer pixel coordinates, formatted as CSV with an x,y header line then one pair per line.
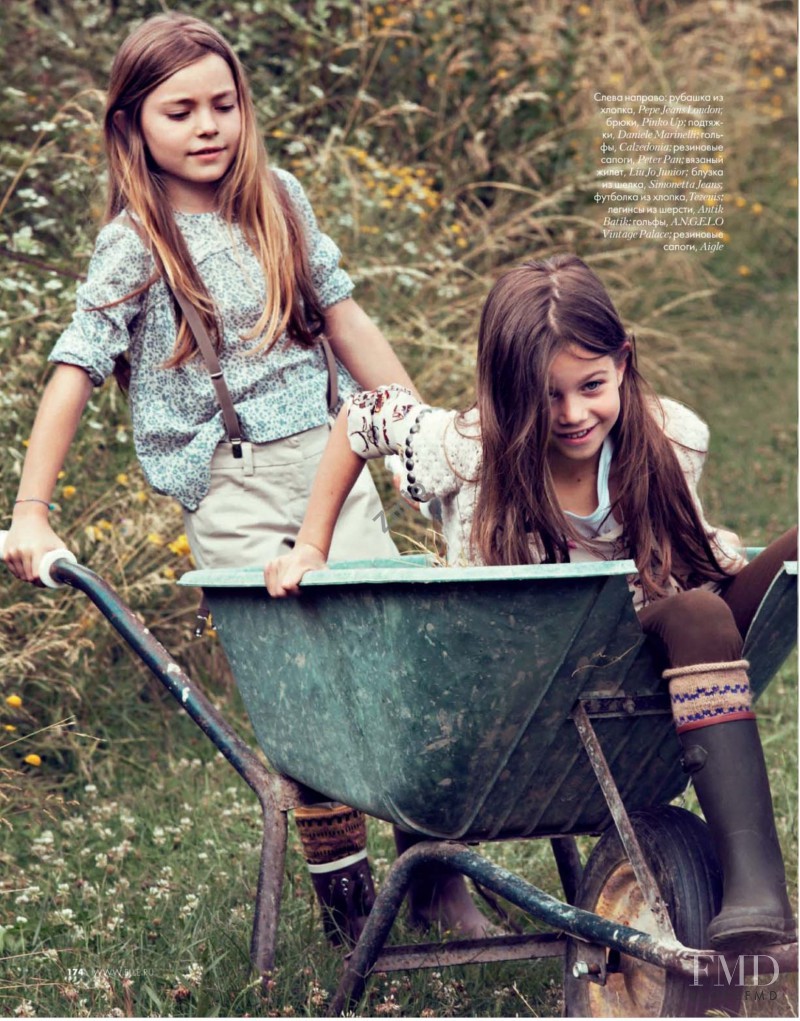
x,y
30,551
282,575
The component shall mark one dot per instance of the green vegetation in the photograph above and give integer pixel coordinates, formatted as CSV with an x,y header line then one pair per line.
x,y
440,142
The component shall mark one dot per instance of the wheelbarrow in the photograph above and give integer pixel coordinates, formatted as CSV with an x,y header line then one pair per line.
x,y
475,704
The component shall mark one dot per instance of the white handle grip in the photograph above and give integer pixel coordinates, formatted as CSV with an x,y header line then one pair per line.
x,y
46,563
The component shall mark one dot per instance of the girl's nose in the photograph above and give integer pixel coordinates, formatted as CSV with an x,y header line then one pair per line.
x,y
571,411
206,123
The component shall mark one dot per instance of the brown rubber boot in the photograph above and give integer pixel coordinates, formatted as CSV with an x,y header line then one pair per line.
x,y
334,840
722,751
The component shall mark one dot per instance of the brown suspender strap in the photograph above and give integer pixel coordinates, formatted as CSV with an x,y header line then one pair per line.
x,y
333,376
229,416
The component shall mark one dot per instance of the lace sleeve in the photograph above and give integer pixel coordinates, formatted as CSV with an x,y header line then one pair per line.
x,y
391,420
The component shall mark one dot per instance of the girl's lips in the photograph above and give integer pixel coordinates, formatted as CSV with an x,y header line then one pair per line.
x,y
207,154
577,437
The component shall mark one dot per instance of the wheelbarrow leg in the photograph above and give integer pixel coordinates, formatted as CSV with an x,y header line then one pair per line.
x,y
268,894
378,926
568,862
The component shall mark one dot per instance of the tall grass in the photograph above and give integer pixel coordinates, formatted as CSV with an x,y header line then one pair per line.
x,y
440,142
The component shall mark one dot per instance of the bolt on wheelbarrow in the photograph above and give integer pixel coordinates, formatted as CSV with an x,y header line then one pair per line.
x,y
479,704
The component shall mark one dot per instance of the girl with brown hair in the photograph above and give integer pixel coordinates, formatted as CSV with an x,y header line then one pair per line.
x,y
195,212
568,455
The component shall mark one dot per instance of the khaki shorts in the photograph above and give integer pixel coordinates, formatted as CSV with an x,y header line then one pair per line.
x,y
255,506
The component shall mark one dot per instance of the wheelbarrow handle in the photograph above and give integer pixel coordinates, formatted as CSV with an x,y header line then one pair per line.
x,y
47,562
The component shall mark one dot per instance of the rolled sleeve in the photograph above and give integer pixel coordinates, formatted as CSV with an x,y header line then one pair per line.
x,y
331,282
120,265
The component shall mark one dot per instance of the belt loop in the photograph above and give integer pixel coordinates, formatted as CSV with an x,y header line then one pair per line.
x,y
247,459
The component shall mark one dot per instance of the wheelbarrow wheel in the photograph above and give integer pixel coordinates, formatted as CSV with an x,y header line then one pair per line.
x,y
677,846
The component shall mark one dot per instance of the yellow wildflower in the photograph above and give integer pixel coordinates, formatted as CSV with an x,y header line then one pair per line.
x,y
156,539
33,759
26,443
756,209
744,271
14,701
140,496
778,72
740,201
122,479
105,525
180,546
169,573
9,727
765,82
61,475
68,492
584,10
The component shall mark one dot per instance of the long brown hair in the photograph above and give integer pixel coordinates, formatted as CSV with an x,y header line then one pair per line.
x,y
249,193
531,314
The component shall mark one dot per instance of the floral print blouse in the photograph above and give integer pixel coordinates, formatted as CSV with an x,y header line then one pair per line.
x,y
441,452
177,422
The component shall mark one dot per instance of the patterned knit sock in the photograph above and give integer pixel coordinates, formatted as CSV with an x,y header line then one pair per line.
x,y
332,836
709,693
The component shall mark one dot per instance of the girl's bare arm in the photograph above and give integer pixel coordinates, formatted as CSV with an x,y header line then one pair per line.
x,y
362,348
338,470
30,535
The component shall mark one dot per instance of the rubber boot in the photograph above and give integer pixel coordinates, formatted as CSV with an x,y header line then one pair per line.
x,y
722,751
334,841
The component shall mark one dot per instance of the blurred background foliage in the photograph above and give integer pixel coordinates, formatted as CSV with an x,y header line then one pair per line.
x,y
440,142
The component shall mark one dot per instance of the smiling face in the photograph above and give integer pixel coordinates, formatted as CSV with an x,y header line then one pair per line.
x,y
584,406
192,125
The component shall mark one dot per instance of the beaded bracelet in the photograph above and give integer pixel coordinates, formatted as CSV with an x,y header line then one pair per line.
x,y
35,499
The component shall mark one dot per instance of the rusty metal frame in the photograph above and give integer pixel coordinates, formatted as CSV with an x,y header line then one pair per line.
x,y
369,955
622,822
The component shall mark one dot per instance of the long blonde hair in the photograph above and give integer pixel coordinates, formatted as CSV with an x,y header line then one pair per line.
x,y
249,193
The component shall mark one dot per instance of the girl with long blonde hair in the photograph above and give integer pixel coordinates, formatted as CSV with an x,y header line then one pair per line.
x,y
196,214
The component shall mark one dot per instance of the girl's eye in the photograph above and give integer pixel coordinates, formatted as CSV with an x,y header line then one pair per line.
x,y
178,116
593,385
226,109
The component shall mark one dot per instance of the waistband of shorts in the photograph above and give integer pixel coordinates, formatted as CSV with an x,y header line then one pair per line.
x,y
286,450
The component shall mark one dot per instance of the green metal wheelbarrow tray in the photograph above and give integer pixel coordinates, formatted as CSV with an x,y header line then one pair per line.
x,y
477,704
